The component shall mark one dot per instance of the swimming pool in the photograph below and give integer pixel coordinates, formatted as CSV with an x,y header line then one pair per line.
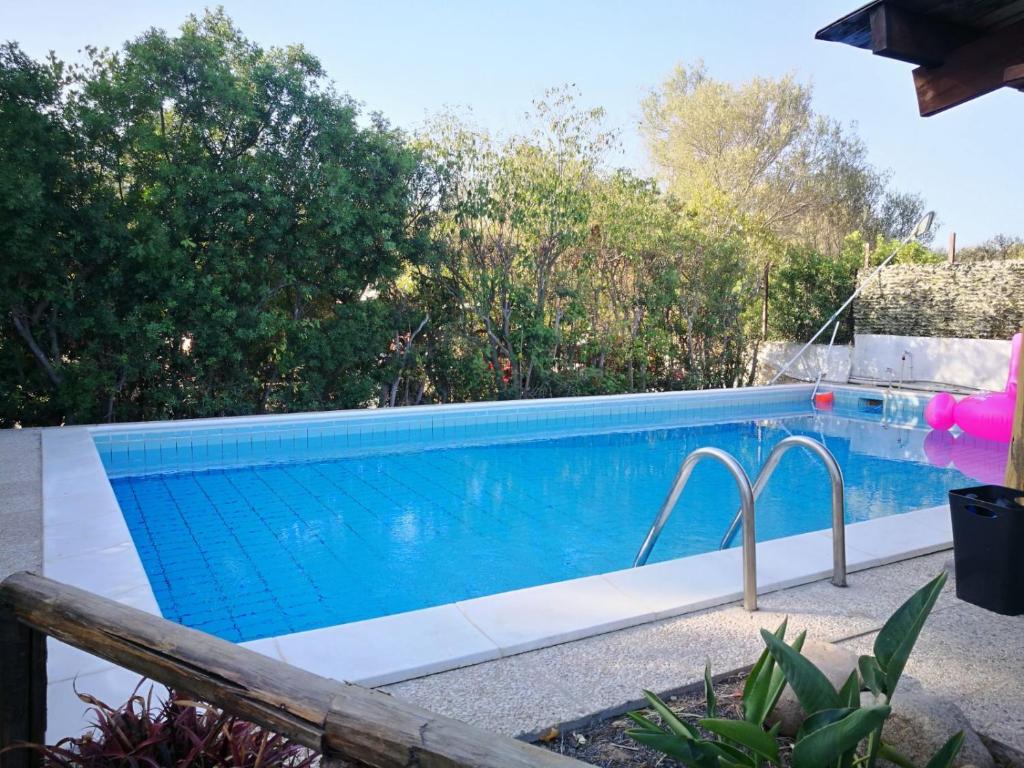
x,y
249,531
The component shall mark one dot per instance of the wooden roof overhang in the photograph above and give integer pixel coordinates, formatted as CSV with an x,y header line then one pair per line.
x,y
963,48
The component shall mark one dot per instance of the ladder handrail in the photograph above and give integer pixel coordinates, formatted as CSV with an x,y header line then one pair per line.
x,y
835,474
746,512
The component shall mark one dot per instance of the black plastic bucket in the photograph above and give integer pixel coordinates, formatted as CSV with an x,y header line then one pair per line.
x,y
988,547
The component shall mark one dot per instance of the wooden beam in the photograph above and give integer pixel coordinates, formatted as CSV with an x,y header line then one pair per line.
x,y
1015,461
972,70
340,720
1013,77
907,36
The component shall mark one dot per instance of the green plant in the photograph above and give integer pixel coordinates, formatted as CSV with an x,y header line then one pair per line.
x,y
192,226
173,733
838,731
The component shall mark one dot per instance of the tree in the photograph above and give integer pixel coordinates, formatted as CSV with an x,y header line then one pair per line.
x,y
998,248
623,279
510,214
246,224
195,226
758,156
756,159
809,285
568,278
54,230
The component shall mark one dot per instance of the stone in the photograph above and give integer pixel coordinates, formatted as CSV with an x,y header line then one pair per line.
x,y
972,300
1004,754
921,722
834,661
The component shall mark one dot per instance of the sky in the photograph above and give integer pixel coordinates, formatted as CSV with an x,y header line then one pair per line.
x,y
409,59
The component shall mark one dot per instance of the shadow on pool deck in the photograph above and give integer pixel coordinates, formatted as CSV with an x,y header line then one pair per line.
x,y
964,652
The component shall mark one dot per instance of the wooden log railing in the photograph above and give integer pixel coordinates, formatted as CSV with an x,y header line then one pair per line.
x,y
340,720
1015,460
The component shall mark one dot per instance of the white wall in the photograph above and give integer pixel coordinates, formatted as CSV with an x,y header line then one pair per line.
x,y
976,363
775,354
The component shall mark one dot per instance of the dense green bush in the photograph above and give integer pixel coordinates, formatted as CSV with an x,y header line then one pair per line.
x,y
194,226
806,288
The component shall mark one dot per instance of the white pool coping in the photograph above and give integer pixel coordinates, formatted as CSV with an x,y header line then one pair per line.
x,y
87,544
448,409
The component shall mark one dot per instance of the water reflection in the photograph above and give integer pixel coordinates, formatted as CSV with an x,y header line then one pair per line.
x,y
983,460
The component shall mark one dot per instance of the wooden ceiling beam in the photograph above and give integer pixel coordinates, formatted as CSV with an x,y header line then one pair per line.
x,y
900,34
973,69
1013,77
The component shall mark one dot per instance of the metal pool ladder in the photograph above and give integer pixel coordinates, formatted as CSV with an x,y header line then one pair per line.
x,y
748,498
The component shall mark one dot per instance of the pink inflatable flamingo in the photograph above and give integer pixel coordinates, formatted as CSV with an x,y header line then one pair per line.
x,y
988,416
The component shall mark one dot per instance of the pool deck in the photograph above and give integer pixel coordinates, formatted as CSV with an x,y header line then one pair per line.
x,y
964,652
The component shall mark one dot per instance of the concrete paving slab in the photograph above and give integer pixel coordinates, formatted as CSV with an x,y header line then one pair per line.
x,y
390,648
550,613
683,584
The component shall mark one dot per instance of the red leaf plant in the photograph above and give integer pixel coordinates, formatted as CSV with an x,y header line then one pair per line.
x,y
177,732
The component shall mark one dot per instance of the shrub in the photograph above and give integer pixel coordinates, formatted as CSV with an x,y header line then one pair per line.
x,y
173,733
839,730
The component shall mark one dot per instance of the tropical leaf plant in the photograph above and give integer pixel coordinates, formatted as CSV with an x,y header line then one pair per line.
x,y
735,742
838,731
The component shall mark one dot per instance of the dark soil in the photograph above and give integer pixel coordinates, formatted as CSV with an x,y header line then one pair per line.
x,y
606,744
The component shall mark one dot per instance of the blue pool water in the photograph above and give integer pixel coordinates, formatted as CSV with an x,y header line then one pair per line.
x,y
252,551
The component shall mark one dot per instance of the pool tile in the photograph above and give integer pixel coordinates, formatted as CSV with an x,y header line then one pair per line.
x,y
252,551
